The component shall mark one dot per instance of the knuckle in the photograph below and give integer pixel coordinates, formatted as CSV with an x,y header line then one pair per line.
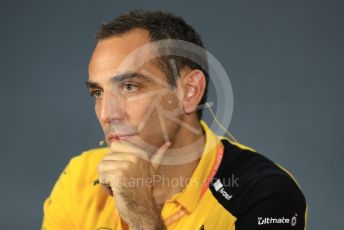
x,y
125,167
134,159
100,167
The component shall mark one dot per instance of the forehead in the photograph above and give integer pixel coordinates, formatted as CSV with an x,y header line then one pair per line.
x,y
117,54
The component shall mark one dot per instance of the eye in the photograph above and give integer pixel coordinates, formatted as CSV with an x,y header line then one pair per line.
x,y
96,93
130,87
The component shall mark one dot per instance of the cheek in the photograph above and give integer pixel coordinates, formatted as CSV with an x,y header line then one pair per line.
x,y
143,114
171,102
140,111
97,110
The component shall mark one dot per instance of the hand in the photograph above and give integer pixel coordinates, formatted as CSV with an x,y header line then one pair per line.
x,y
127,172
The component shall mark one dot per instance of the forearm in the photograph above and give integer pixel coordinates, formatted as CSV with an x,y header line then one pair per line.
x,y
156,224
146,219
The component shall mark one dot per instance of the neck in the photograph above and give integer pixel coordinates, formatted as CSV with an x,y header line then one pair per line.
x,y
181,161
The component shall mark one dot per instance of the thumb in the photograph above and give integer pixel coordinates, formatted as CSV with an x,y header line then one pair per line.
x,y
156,159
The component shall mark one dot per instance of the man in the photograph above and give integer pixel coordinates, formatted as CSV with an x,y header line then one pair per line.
x,y
135,87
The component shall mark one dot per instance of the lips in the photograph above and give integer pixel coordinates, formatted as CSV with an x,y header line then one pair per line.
x,y
116,137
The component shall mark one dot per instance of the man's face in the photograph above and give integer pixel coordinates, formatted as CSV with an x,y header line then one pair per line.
x,y
131,99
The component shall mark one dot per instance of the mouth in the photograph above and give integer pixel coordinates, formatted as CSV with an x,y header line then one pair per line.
x,y
117,137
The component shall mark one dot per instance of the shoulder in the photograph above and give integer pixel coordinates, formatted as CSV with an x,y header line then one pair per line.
x,y
74,190
91,154
82,168
87,158
253,182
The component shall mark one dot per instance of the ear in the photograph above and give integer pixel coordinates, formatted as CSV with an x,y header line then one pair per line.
x,y
194,85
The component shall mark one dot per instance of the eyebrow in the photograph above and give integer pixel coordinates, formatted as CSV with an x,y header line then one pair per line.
x,y
90,84
120,78
129,75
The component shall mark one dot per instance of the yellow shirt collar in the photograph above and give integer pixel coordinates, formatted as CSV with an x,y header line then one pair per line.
x,y
191,194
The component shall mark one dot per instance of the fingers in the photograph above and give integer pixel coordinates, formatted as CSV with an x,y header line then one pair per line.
x,y
124,147
113,178
117,165
112,165
120,157
128,148
157,158
107,189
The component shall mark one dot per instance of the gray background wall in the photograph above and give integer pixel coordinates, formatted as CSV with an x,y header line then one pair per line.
x,y
285,60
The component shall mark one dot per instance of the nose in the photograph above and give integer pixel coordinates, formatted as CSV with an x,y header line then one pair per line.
x,y
111,108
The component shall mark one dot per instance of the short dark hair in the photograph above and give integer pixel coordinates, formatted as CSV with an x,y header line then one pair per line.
x,y
160,25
